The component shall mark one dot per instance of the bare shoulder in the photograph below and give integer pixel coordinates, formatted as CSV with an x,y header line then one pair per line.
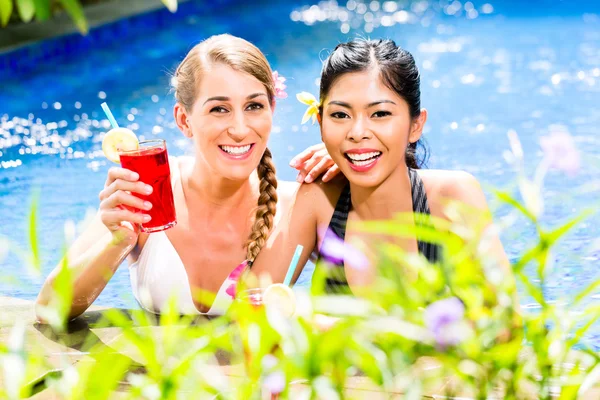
x,y
319,190
182,161
331,190
286,190
453,185
317,198
180,165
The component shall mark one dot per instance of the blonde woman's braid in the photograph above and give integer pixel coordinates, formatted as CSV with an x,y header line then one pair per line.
x,y
267,206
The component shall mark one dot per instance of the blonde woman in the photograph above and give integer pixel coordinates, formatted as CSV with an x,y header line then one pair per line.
x,y
226,197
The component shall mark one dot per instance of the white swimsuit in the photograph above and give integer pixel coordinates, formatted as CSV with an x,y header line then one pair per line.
x,y
158,274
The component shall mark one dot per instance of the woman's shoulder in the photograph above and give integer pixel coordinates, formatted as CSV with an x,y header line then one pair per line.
x,y
318,190
286,189
180,165
452,185
446,179
318,197
181,161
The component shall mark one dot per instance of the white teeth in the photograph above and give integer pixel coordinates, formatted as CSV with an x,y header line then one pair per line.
x,y
236,150
362,163
363,156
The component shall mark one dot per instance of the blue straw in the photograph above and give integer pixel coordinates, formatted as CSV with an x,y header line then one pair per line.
x,y
293,265
110,116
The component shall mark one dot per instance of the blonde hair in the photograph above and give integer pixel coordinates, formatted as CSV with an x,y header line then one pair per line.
x,y
242,56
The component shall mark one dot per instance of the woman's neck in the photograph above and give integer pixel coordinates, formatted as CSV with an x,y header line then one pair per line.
x,y
382,202
218,191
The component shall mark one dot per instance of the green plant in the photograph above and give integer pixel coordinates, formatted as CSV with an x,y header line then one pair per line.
x,y
43,10
450,328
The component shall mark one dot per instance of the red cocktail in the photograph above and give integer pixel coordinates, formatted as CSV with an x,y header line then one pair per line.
x,y
151,162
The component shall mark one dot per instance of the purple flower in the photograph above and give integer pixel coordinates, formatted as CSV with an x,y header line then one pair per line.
x,y
334,250
560,152
274,382
442,318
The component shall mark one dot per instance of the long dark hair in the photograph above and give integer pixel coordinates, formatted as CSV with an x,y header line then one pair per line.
x,y
398,72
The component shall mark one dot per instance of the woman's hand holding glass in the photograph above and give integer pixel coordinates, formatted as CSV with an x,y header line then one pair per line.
x,y
120,211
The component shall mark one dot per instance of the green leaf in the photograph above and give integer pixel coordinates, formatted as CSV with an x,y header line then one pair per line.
x,y
433,229
171,5
42,9
100,375
63,285
594,315
590,380
40,383
56,313
570,390
506,354
6,8
396,326
26,9
33,238
583,294
117,318
533,290
553,236
591,353
529,256
508,199
170,317
75,10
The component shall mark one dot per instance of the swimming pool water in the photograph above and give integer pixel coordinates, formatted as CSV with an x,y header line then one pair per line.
x,y
533,69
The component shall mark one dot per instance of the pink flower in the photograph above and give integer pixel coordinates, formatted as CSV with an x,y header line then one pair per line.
x,y
560,152
279,85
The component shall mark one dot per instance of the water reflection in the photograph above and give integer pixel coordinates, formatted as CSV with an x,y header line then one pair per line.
x,y
368,16
481,78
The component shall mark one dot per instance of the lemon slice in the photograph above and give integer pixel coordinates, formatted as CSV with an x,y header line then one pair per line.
x,y
280,297
117,140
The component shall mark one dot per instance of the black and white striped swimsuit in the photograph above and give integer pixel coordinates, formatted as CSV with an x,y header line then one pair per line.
x,y
336,280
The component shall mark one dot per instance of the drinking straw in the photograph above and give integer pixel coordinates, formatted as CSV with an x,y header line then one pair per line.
x,y
109,115
293,264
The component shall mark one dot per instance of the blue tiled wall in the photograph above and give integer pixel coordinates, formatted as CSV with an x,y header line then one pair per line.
x,y
27,58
